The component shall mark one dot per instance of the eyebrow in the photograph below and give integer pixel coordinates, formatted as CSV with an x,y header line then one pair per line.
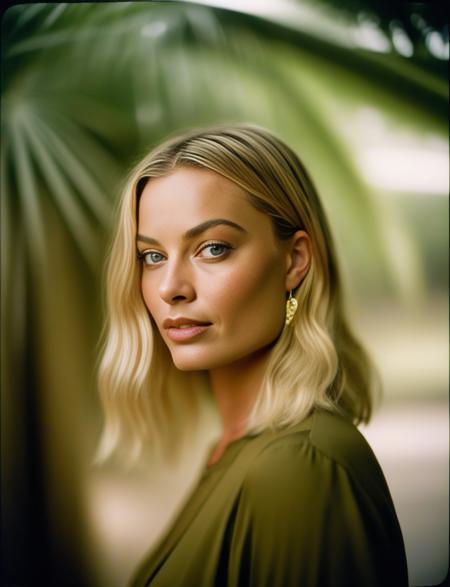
x,y
196,230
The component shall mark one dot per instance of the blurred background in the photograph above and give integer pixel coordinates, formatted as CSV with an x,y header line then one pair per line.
x,y
360,90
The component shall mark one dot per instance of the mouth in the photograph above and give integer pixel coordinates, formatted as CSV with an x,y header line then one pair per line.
x,y
184,329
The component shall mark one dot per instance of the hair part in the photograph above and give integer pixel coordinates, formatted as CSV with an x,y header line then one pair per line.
x,y
316,362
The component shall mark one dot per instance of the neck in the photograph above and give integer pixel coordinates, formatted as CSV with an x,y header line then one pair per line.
x,y
236,388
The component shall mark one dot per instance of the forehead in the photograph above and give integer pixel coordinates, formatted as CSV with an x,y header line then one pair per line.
x,y
191,195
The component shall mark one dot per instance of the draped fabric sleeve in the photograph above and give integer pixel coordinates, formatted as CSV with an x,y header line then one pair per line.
x,y
304,519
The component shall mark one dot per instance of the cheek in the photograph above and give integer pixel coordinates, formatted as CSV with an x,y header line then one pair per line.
x,y
149,296
251,298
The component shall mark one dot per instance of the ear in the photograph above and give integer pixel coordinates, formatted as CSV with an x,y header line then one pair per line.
x,y
298,259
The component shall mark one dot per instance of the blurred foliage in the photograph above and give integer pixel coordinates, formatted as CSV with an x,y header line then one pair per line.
x,y
86,90
89,87
416,18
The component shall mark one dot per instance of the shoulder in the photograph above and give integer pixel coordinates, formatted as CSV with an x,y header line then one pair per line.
x,y
316,510
323,452
337,438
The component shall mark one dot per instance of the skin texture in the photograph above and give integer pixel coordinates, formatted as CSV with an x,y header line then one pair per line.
x,y
238,283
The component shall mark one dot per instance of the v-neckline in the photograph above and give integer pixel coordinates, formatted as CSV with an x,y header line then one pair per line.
x,y
241,450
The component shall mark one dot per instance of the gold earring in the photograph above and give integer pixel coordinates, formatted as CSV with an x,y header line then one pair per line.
x,y
291,308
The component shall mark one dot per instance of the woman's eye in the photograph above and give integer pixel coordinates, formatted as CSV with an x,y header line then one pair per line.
x,y
151,257
215,250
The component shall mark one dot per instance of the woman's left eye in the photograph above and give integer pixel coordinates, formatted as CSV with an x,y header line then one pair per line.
x,y
215,250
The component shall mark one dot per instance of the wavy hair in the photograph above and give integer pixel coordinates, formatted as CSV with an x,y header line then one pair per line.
x,y
316,361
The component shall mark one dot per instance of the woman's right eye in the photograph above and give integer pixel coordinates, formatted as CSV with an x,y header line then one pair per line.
x,y
151,257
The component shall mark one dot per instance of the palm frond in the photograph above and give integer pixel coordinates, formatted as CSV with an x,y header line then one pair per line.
x,y
28,194
60,190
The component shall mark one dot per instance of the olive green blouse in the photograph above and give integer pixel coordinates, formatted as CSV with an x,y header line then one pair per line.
x,y
307,506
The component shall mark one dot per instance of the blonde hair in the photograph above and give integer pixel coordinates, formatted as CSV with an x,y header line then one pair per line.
x,y
316,361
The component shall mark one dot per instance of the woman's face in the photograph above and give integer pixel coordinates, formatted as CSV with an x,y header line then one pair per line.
x,y
214,275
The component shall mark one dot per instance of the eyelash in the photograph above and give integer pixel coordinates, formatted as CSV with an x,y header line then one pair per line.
x,y
141,255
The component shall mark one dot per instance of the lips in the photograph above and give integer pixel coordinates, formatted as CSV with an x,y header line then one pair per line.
x,y
183,322
183,330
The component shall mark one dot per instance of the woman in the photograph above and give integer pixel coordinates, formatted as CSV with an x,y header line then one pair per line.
x,y
223,277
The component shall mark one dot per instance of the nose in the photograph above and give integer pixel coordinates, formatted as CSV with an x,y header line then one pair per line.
x,y
177,284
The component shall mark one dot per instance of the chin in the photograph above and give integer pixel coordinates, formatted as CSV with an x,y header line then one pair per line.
x,y
191,363
186,359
